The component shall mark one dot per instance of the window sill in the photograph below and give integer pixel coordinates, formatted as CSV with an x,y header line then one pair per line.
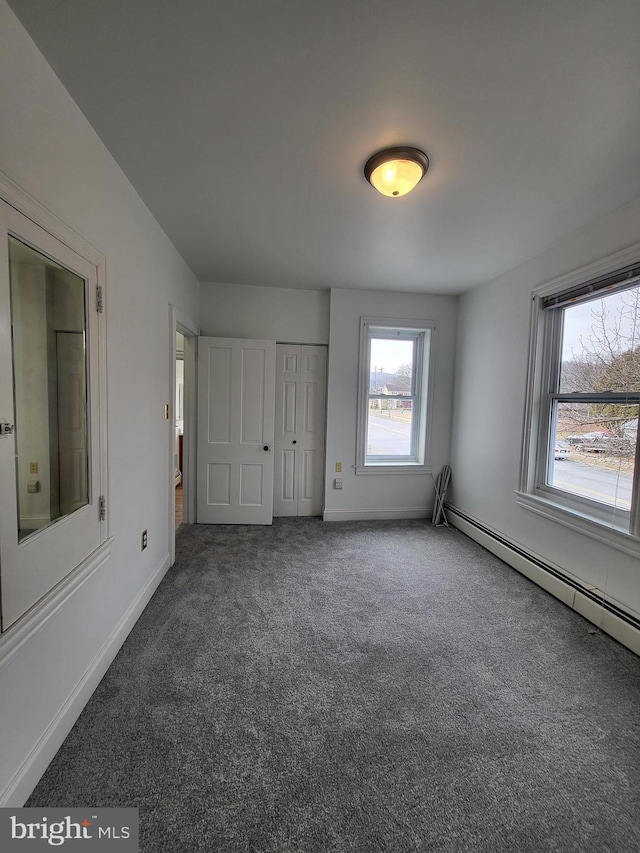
x,y
382,468
580,522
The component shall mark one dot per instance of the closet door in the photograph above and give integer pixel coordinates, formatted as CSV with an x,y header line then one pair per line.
x,y
300,425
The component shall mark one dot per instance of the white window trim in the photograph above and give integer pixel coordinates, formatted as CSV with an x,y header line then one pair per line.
x,y
421,465
15,196
605,524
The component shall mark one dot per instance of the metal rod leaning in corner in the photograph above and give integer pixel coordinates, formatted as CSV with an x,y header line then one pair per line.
x,y
442,484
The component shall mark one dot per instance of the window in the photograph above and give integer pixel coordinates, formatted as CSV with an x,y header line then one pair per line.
x,y
581,434
393,384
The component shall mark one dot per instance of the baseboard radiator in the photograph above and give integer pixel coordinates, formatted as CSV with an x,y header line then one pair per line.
x,y
588,601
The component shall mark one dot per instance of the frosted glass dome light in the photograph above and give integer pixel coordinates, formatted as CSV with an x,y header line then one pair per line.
x,y
396,171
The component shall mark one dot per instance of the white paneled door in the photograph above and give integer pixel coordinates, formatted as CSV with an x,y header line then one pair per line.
x,y
236,389
300,424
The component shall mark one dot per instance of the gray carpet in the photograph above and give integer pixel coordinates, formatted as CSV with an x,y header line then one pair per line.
x,y
359,687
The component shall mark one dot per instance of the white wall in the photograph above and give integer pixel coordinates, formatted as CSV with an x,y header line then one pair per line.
x,y
268,313
493,336
320,317
48,147
384,495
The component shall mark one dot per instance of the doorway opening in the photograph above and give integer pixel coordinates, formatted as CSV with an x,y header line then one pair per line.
x,y
179,421
182,424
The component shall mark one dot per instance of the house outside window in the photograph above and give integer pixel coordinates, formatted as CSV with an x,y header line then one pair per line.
x,y
393,404
580,451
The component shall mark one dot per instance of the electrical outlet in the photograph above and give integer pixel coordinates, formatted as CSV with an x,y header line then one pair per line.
x,y
338,467
143,540
33,467
337,484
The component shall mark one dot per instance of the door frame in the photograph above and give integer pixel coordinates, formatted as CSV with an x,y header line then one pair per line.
x,y
179,322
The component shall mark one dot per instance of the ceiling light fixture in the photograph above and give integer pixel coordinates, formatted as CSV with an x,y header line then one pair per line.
x,y
396,171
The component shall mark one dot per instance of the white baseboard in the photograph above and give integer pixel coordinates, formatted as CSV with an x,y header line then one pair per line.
x,y
28,775
375,514
582,601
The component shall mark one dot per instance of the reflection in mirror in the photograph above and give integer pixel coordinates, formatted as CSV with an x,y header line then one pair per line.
x,y
50,388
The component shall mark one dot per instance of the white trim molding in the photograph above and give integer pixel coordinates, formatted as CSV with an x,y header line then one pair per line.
x,y
179,322
424,332
30,207
581,522
376,514
590,271
409,468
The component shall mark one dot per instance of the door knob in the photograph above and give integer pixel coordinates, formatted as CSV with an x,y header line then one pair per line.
x,y
266,447
6,429
294,441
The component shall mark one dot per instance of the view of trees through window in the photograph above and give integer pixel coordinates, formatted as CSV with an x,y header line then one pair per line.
x,y
595,440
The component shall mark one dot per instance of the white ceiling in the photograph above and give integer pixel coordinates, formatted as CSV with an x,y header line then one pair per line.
x,y
245,124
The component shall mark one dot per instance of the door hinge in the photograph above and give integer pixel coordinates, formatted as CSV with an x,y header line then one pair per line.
x,y
102,508
99,299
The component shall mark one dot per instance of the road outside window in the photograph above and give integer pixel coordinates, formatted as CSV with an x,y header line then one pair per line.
x,y
393,406
391,392
583,449
600,355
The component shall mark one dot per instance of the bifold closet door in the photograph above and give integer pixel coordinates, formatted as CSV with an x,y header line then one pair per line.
x,y
300,424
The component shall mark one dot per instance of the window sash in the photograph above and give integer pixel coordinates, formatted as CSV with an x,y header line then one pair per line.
x,y
551,314
399,335
421,333
390,334
626,397
412,456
